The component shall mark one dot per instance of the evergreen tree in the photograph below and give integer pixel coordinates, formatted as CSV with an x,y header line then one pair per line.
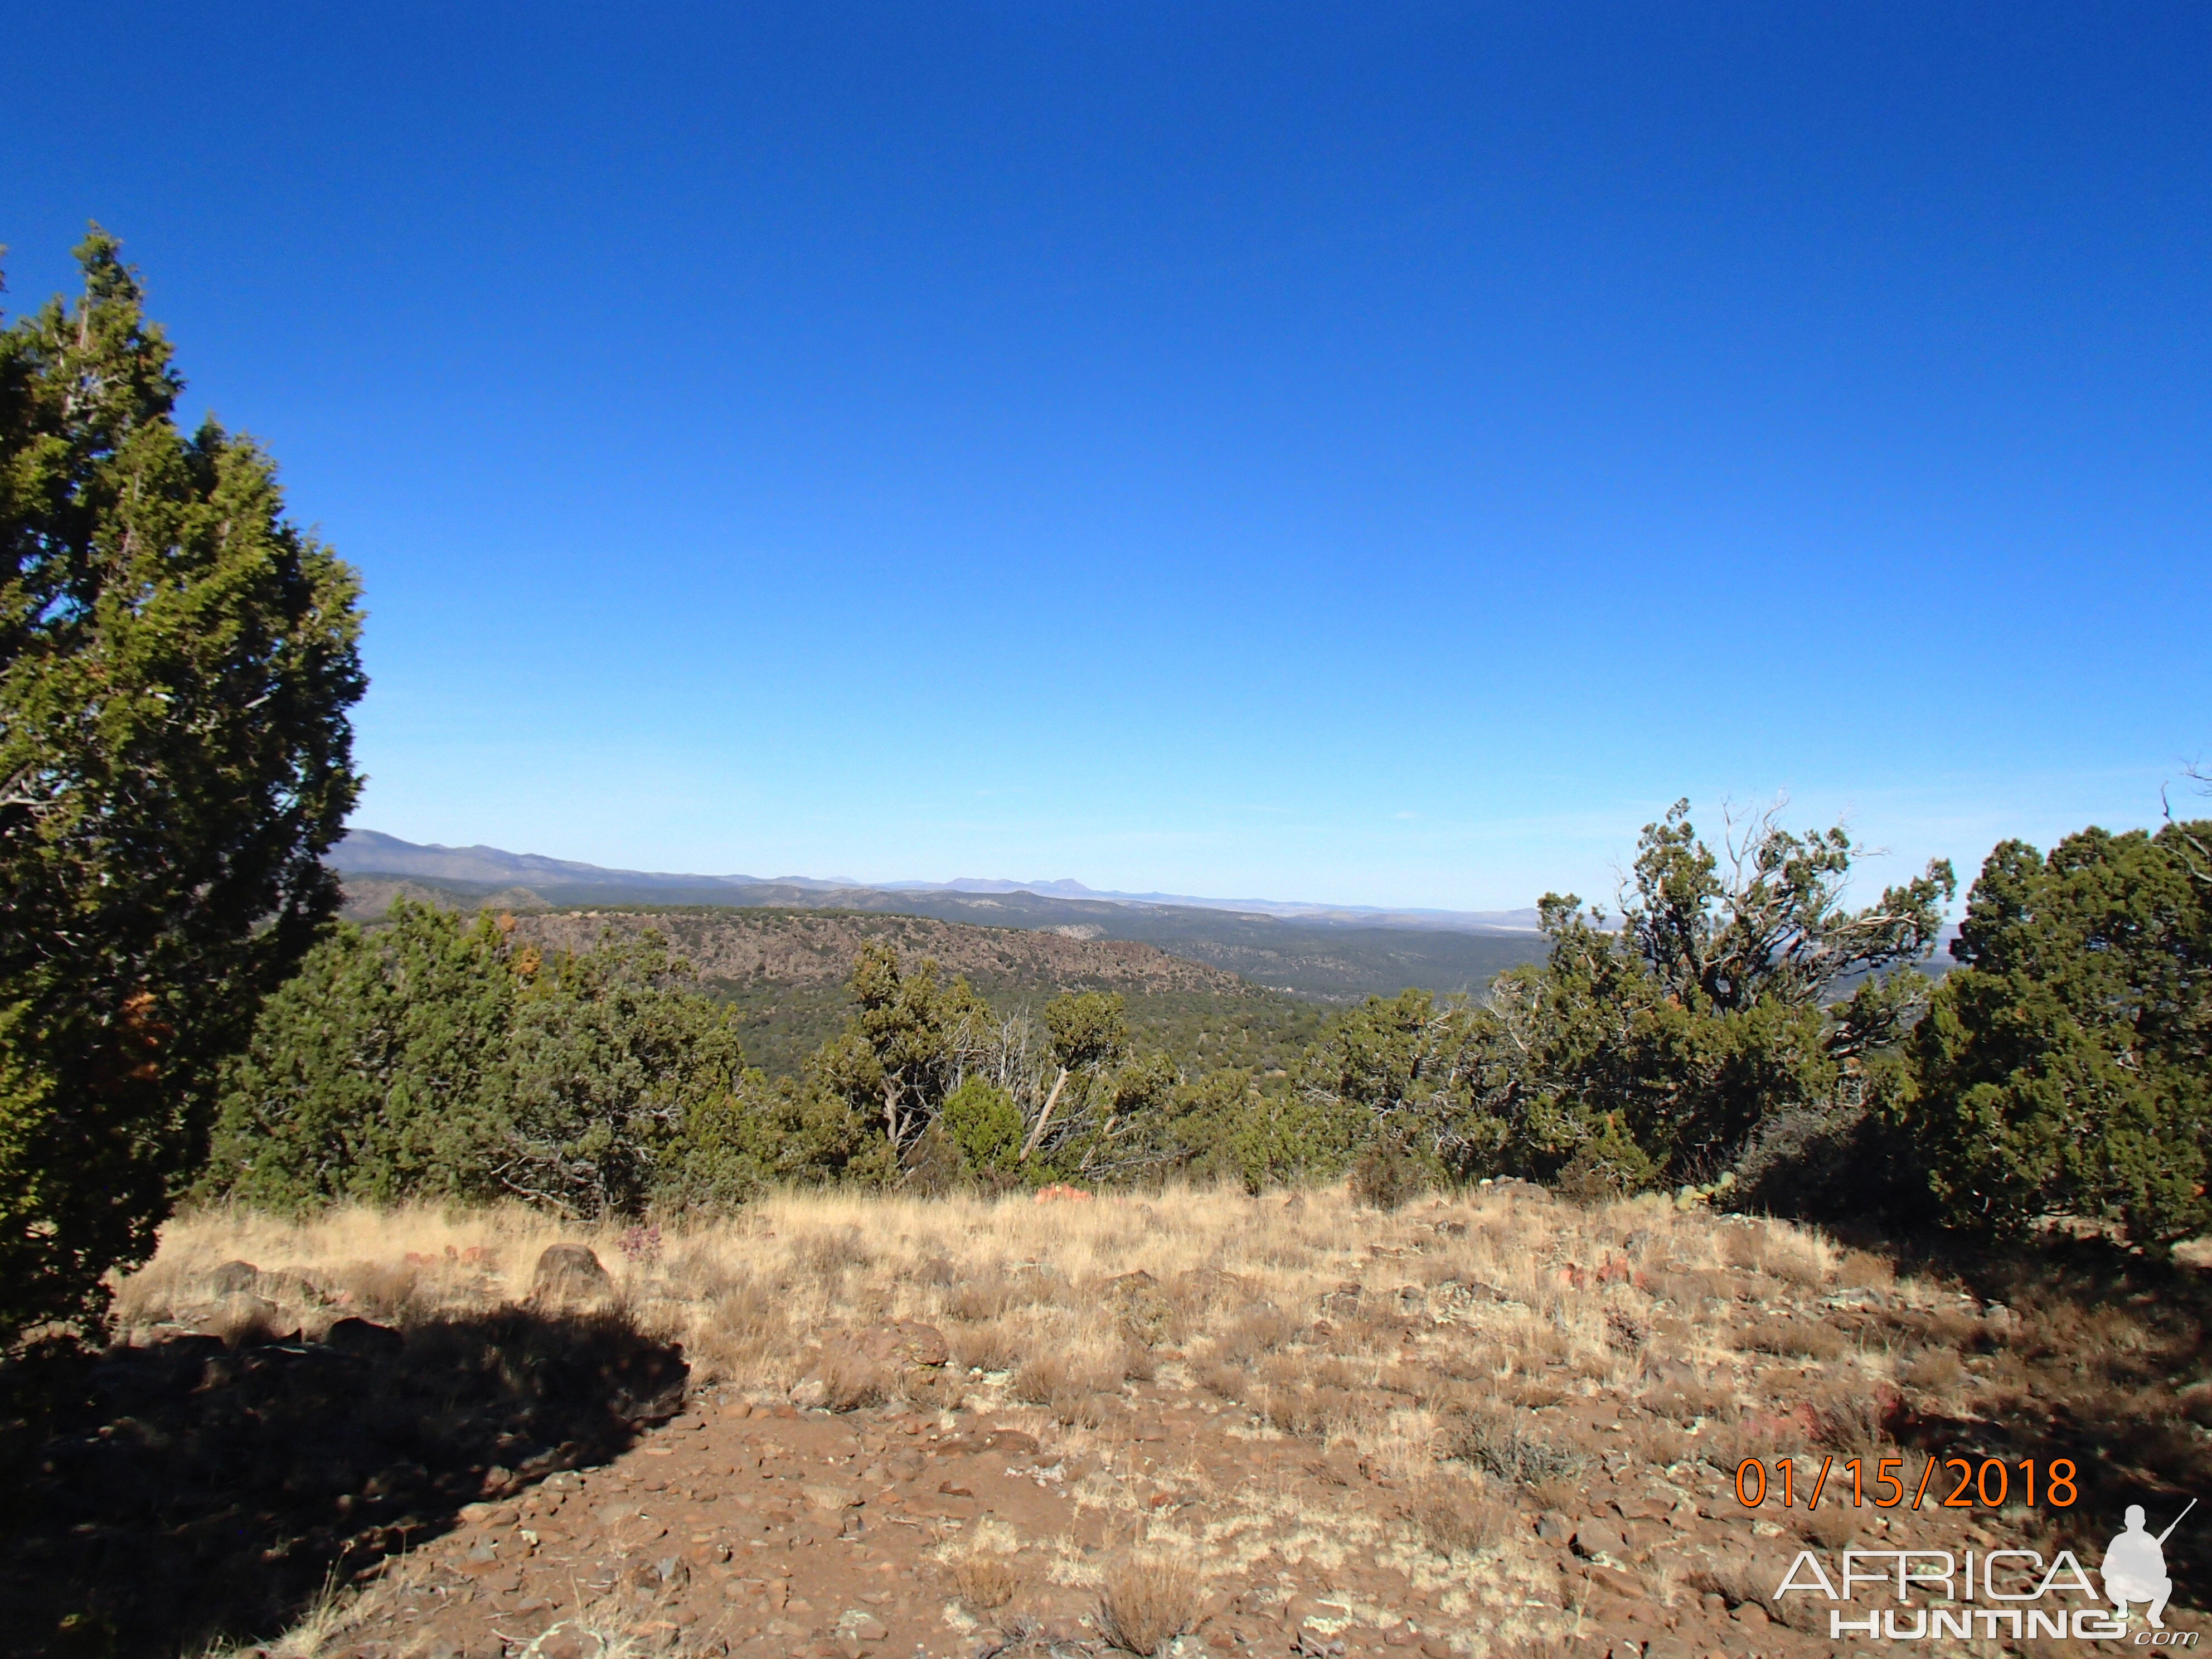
x,y
176,662
379,1072
2065,1069
611,1052
904,1048
432,1057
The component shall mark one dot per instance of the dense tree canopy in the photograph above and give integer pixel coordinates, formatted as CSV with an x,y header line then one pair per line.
x,y
176,663
432,1057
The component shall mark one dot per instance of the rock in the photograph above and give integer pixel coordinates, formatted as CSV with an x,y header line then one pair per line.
x,y
1751,1616
1614,1581
361,1337
569,1273
1600,1538
810,1393
231,1277
908,1342
240,1315
1554,1528
862,1625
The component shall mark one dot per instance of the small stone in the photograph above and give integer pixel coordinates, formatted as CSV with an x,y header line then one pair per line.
x,y
863,1626
1598,1538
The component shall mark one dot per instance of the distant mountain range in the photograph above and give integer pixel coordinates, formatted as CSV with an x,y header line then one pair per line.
x,y
372,851
1328,952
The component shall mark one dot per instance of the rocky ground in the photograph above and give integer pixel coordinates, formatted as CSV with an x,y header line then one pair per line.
x,y
1199,1424
749,1530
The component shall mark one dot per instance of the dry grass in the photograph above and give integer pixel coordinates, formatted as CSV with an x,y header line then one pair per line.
x,y
1479,1351
1321,1317
985,1583
1146,1602
1289,1304
1458,1516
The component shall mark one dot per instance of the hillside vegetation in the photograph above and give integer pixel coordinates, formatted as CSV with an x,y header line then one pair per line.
x,y
1325,961
782,972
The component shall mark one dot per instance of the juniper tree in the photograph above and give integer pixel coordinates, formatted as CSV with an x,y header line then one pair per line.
x,y
380,1071
2067,1066
176,663
1655,1050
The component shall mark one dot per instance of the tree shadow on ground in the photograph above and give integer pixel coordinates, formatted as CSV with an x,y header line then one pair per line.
x,y
170,1497
2098,1357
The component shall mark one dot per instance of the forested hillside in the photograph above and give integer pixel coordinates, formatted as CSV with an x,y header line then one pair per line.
x,y
783,973
1315,958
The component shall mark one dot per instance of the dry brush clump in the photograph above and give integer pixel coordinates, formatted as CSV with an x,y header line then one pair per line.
x,y
1146,1602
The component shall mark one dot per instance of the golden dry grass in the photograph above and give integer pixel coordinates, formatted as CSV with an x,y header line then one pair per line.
x,y
985,1583
1427,1344
1146,1602
1549,1297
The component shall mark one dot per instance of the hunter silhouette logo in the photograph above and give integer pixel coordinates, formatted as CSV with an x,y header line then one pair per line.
x,y
1999,1593
2134,1567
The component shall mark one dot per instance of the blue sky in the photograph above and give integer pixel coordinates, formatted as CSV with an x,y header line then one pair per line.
x,y
1381,453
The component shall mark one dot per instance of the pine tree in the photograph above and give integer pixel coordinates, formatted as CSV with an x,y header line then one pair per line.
x,y
176,663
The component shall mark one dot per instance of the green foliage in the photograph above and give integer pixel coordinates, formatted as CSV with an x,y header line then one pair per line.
x,y
608,1052
1655,1052
1402,1072
379,1072
782,1023
176,662
1650,1051
985,1124
430,1058
901,1050
2064,1069
1088,1031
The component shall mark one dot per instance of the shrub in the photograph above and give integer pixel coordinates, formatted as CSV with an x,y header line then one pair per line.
x,y
1456,1516
1498,1445
985,1583
1146,1602
434,1057
1387,1178
985,1124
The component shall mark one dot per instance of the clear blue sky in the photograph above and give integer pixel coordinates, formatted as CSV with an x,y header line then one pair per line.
x,y
1373,452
